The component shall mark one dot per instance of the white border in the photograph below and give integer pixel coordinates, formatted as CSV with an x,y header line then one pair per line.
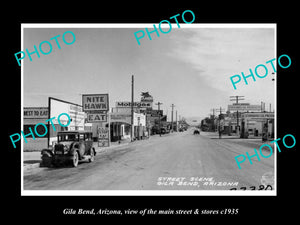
x,y
148,192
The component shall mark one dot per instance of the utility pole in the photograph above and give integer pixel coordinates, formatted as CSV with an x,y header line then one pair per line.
x,y
172,116
132,114
179,121
237,98
213,121
176,122
158,104
220,110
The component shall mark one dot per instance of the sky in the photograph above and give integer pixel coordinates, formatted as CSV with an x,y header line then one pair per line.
x,y
190,66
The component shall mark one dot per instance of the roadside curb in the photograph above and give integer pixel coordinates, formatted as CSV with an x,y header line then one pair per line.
x,y
30,166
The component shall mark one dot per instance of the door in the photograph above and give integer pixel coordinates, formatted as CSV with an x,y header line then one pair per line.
x,y
88,142
81,145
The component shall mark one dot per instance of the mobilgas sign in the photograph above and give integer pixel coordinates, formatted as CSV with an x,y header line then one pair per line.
x,y
135,104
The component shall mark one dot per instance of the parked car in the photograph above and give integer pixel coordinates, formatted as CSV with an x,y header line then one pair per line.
x,y
72,147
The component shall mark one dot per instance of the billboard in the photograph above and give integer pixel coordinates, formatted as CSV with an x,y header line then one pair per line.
x,y
244,107
57,106
35,112
96,106
95,103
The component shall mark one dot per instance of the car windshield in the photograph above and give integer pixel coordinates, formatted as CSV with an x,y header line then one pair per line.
x,y
67,137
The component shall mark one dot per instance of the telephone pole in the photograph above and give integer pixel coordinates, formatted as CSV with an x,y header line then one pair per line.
x,y
237,98
213,120
132,114
158,104
176,122
172,116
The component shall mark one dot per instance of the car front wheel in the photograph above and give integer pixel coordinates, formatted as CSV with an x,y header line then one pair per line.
x,y
75,159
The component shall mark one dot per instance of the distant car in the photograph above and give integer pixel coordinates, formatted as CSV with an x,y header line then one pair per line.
x,y
180,129
196,132
72,146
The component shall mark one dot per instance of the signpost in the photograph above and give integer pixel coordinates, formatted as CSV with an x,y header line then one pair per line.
x,y
97,106
103,136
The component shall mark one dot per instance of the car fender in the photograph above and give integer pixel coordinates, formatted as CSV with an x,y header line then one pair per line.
x,y
73,150
47,152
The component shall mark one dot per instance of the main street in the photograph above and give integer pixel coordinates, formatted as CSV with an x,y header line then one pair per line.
x,y
161,163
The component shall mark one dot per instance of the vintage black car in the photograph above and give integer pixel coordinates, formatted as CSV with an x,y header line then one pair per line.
x,y
71,147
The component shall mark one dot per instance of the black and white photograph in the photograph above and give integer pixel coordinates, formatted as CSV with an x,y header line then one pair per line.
x,y
143,109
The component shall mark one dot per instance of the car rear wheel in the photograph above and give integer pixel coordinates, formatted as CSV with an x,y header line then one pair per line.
x,y
75,159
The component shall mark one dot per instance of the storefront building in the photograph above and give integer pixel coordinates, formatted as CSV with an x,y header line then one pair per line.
x,y
120,124
31,117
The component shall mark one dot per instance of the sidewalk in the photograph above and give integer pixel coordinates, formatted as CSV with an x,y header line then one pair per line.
x,y
32,159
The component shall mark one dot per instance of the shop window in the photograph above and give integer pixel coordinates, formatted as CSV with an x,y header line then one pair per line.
x,y
81,136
